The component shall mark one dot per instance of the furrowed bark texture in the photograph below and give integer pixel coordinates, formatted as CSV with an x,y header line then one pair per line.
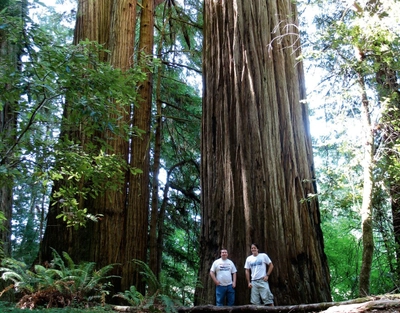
x,y
119,236
257,163
139,195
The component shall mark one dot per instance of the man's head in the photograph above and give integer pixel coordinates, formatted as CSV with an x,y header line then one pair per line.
x,y
224,254
254,249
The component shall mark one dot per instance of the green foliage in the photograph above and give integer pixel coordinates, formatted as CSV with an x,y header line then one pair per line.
x,y
179,45
2,228
343,250
6,307
83,279
76,284
159,301
353,41
132,296
58,81
84,175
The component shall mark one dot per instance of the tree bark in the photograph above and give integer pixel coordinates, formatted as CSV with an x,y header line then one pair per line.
x,y
366,207
368,167
154,259
139,193
257,164
111,23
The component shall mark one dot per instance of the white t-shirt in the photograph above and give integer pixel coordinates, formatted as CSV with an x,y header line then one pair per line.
x,y
223,270
257,265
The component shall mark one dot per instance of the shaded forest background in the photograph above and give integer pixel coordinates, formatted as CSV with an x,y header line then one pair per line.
x,y
350,50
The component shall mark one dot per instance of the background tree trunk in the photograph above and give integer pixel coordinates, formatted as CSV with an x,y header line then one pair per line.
x,y
111,23
154,259
9,56
366,208
139,194
257,164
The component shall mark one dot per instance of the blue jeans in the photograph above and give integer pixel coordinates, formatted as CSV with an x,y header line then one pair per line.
x,y
223,292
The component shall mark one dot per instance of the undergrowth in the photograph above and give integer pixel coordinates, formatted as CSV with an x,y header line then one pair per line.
x,y
68,287
7,307
62,284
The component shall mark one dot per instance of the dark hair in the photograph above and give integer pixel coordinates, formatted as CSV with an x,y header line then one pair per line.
x,y
254,244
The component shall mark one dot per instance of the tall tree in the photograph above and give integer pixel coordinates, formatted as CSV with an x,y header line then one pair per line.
x,y
363,78
9,58
257,163
11,49
139,192
122,231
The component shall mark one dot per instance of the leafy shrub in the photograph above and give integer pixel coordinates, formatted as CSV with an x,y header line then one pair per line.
x,y
158,300
63,283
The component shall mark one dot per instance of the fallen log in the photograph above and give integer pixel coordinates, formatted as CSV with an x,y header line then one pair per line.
x,y
385,303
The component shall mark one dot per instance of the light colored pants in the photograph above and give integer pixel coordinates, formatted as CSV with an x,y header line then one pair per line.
x,y
260,293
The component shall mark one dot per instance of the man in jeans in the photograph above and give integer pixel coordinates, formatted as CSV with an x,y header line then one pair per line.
x,y
223,273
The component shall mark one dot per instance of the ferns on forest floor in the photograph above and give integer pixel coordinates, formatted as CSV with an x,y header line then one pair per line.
x,y
63,283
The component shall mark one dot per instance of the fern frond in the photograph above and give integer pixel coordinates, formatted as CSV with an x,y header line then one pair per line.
x,y
133,296
168,304
9,275
148,273
68,259
58,262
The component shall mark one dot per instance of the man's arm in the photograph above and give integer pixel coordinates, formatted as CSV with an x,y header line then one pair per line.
x,y
234,280
212,274
270,268
248,277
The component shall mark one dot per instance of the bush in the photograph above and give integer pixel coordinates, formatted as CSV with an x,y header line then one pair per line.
x,y
62,284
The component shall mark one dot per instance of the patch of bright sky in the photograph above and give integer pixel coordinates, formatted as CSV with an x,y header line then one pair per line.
x,y
42,8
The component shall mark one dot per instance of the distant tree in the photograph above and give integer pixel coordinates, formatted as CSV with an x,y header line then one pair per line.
x,y
258,181
176,123
356,50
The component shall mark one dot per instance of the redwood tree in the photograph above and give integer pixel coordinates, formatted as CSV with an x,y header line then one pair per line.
x,y
139,194
9,58
121,232
257,163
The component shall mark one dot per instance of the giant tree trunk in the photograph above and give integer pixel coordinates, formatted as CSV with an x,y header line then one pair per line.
x,y
257,164
138,197
111,23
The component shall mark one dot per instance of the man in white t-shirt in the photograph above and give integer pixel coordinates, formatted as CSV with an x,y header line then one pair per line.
x,y
223,273
261,267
